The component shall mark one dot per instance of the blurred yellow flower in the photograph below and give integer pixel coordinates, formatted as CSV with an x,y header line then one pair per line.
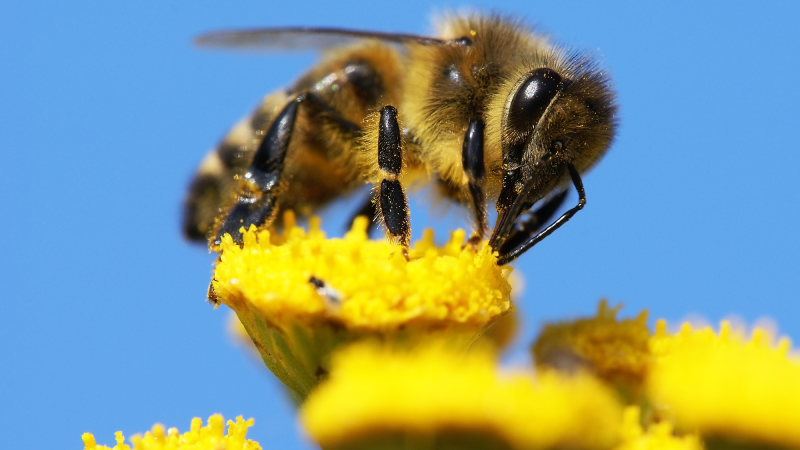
x,y
616,350
300,295
727,387
433,398
210,437
658,436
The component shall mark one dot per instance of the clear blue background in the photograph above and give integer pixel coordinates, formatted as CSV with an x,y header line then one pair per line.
x,y
106,110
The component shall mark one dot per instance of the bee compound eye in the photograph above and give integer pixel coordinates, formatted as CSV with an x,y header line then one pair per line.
x,y
533,97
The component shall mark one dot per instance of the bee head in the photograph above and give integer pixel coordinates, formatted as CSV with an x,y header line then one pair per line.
x,y
554,117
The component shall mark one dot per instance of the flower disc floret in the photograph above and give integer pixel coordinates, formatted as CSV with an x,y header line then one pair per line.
x,y
199,437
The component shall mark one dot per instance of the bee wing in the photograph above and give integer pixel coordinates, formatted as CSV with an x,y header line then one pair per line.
x,y
301,38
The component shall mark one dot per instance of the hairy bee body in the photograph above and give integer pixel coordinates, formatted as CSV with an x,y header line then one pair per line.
x,y
488,110
324,162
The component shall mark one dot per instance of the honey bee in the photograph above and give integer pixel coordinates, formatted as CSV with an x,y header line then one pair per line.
x,y
489,110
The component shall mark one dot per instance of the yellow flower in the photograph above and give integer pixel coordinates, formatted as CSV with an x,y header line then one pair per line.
x,y
614,349
433,398
300,295
210,437
658,436
727,387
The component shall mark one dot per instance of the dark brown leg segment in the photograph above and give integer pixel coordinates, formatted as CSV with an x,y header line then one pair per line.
x,y
475,168
257,203
512,172
391,197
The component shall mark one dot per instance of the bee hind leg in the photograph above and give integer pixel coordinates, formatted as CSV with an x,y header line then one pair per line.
x,y
391,198
518,242
257,202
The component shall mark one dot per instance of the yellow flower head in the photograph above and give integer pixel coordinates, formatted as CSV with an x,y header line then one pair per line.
x,y
300,295
728,387
434,398
210,437
614,349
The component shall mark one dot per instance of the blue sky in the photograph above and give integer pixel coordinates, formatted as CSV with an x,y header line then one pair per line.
x,y
106,110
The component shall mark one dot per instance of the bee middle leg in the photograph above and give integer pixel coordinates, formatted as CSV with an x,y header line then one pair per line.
x,y
475,169
391,198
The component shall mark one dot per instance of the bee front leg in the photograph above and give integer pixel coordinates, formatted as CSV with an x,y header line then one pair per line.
x,y
391,199
509,193
475,169
257,202
533,221
512,246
